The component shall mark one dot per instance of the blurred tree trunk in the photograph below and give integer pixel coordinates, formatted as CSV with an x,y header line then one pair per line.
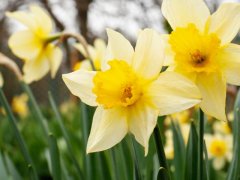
x,y
82,15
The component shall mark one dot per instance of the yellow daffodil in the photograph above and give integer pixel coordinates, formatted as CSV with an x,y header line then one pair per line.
x,y
222,127
96,52
219,149
19,105
183,117
33,44
200,48
129,91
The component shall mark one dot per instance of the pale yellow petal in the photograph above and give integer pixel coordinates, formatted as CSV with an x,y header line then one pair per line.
x,y
85,65
230,57
213,90
172,92
34,70
55,56
25,44
23,17
225,22
81,49
100,48
80,83
42,19
1,80
168,53
179,13
142,120
118,48
149,55
108,128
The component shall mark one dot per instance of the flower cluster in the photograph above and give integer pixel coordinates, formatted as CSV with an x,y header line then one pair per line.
x,y
128,85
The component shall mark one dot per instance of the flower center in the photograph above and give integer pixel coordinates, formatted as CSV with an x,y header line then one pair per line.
x,y
194,51
117,86
218,148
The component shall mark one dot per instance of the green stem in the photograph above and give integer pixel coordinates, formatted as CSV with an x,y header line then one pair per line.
x,y
37,111
160,152
136,162
19,137
65,134
201,144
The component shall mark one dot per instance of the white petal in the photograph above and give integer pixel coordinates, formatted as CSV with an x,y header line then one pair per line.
x,y
172,92
118,48
142,121
149,55
213,90
218,163
80,83
34,70
230,57
180,13
225,22
108,128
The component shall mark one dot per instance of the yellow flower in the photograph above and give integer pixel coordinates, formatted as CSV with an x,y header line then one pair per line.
x,y
219,149
97,53
19,105
200,48
33,44
129,91
222,127
183,117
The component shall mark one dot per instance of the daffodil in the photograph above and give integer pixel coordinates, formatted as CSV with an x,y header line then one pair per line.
x,y
129,91
96,52
200,48
19,105
219,149
33,44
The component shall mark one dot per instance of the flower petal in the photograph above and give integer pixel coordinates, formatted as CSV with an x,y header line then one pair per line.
x,y
225,22
213,90
80,83
180,13
229,55
168,53
54,55
108,128
142,120
148,56
25,18
34,70
42,19
25,44
172,92
118,48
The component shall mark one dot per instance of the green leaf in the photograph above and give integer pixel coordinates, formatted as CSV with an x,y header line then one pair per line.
x,y
3,170
162,174
179,152
207,166
55,160
12,169
37,112
65,134
233,171
23,147
191,169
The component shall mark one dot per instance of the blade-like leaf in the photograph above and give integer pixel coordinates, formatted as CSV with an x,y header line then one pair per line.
x,y
207,167
3,169
18,135
233,171
55,160
12,169
65,134
191,169
179,152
